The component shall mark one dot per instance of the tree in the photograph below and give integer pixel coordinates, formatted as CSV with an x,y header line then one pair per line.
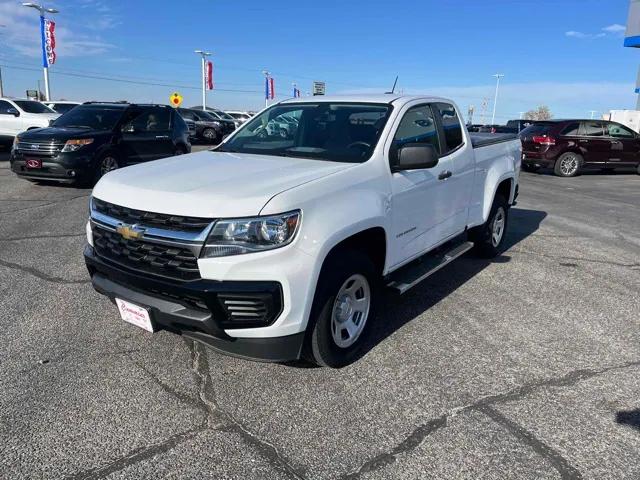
x,y
540,113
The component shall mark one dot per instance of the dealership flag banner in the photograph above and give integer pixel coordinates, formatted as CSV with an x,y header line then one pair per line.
x,y
296,92
208,75
269,88
47,30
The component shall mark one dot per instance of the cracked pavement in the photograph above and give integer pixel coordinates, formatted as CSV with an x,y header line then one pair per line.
x,y
524,367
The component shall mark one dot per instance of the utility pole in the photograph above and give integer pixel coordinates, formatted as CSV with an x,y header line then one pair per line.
x,y
266,88
1,87
495,98
593,112
204,56
42,9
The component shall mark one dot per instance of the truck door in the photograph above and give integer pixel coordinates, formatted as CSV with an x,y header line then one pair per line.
x,y
422,206
595,147
625,145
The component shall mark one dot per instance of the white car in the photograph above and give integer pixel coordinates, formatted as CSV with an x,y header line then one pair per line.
x,y
61,106
239,115
277,248
17,115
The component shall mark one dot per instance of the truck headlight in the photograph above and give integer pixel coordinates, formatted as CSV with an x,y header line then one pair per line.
x,y
73,145
247,235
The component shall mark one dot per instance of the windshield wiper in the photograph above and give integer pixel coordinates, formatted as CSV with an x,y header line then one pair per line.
x,y
74,126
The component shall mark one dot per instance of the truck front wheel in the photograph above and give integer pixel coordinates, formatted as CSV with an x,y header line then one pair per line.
x,y
489,237
343,309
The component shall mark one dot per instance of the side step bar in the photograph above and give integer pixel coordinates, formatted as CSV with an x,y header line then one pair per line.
x,y
409,276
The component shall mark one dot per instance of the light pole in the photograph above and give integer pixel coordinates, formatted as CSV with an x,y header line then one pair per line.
x,y
204,56
593,112
266,88
495,99
1,88
42,10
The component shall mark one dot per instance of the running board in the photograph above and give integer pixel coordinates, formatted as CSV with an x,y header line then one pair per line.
x,y
409,276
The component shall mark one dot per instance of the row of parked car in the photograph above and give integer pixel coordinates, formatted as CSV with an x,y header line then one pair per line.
x,y
571,146
78,143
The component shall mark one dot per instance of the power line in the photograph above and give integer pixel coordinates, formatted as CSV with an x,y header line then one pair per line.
x,y
134,82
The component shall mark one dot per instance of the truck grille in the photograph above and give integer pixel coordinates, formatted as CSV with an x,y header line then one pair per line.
x,y
163,260
151,219
51,149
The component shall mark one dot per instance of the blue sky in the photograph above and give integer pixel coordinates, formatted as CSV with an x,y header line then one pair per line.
x,y
567,54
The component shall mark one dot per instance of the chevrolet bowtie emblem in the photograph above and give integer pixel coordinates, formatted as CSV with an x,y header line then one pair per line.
x,y
130,232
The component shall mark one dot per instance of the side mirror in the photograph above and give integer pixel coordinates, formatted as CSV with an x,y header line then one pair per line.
x,y
51,122
13,111
414,156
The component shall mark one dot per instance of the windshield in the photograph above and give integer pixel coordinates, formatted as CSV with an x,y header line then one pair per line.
x,y
31,106
95,118
338,132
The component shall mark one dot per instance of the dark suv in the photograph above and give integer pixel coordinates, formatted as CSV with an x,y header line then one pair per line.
x,y
207,128
568,146
95,138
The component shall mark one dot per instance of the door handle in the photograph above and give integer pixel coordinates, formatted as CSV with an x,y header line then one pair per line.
x,y
444,175
162,136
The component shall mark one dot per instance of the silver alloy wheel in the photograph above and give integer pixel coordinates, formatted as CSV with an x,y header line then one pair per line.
x,y
350,310
108,164
569,165
283,133
209,134
497,227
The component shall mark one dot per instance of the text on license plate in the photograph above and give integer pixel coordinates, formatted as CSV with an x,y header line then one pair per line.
x,y
134,314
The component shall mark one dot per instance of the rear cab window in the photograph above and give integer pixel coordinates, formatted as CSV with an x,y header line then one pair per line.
x,y
537,129
452,129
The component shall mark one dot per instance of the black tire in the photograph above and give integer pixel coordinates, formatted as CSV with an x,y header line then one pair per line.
x,y
484,237
106,163
209,135
568,164
344,268
639,169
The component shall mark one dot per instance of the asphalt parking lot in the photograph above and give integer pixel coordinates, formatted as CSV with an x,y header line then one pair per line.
x,y
527,366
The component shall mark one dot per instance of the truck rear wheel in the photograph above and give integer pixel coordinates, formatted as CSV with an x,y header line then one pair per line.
x,y
343,309
489,237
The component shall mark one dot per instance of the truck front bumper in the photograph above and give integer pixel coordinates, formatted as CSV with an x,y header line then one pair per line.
x,y
195,309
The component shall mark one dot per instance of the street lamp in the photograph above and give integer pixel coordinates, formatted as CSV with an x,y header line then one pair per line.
x,y
42,10
1,87
204,56
495,99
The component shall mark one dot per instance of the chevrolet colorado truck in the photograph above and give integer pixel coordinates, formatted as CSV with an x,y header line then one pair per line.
x,y
276,249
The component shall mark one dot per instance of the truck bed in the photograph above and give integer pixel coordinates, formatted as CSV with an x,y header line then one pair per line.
x,y
479,140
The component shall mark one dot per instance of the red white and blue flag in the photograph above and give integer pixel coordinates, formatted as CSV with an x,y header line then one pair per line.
x,y
47,31
269,88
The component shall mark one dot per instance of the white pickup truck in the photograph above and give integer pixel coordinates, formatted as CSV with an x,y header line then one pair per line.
x,y
274,249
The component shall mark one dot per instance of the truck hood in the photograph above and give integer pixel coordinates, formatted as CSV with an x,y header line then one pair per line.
x,y
210,184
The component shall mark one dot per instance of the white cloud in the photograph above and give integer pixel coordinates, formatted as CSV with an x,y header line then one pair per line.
x,y
21,36
615,29
582,35
565,99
